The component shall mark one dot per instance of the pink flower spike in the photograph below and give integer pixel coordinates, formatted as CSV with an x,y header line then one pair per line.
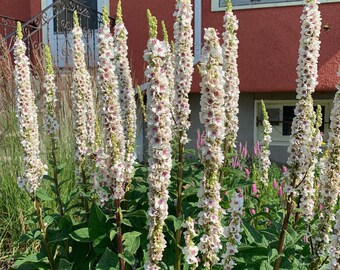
x,y
320,207
252,211
280,191
198,139
254,188
266,210
275,184
284,169
247,172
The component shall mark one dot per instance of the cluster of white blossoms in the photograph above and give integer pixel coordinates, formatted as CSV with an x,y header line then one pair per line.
x,y
265,152
50,121
233,231
303,123
334,250
183,67
126,91
307,191
26,112
159,136
82,96
110,159
232,92
212,116
330,177
190,250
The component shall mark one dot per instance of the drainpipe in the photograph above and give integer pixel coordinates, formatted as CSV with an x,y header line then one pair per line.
x,y
197,30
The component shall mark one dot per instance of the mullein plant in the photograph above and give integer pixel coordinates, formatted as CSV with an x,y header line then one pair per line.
x,y
126,92
212,116
329,184
264,161
159,149
334,249
233,231
26,112
110,160
50,121
183,70
299,160
230,54
190,250
84,117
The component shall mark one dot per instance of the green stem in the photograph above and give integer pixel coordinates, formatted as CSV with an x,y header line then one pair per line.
x,y
43,233
119,234
178,250
55,177
85,202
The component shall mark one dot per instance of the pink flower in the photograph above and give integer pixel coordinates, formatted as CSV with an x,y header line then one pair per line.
x,y
280,191
254,188
284,169
275,184
247,172
266,210
252,211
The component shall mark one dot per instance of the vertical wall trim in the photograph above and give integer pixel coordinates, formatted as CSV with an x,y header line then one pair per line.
x,y
197,30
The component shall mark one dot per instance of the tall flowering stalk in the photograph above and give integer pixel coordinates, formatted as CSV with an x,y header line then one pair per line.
x,y
126,92
159,148
183,69
83,107
265,152
183,35
233,231
212,116
190,250
232,92
111,161
330,182
302,127
334,249
50,121
26,112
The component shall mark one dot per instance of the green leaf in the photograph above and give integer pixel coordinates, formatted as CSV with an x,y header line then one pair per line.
x,y
176,221
65,265
131,241
112,234
273,255
127,257
265,265
60,167
81,235
49,178
254,236
42,195
108,261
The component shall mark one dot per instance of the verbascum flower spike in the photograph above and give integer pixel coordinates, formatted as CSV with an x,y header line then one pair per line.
x,y
159,149
111,161
183,67
169,66
329,179
264,162
50,121
307,189
302,127
232,92
334,249
190,250
119,18
126,92
212,116
82,96
152,21
233,231
26,112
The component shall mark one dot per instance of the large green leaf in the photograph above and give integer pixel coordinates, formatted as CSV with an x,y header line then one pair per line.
x,y
131,241
108,261
81,235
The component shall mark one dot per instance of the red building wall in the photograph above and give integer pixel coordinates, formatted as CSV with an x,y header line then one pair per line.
x,y
269,41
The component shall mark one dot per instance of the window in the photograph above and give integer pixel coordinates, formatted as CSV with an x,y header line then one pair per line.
x,y
63,20
219,5
281,114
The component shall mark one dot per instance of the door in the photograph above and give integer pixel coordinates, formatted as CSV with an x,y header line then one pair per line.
x,y
58,30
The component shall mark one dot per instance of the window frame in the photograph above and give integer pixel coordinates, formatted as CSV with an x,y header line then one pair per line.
x,y
216,7
277,138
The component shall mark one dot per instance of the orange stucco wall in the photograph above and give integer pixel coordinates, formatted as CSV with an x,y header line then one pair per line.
x,y
269,40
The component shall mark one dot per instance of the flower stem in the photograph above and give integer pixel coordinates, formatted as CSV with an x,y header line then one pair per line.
x,y
55,177
119,234
43,233
179,202
85,202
